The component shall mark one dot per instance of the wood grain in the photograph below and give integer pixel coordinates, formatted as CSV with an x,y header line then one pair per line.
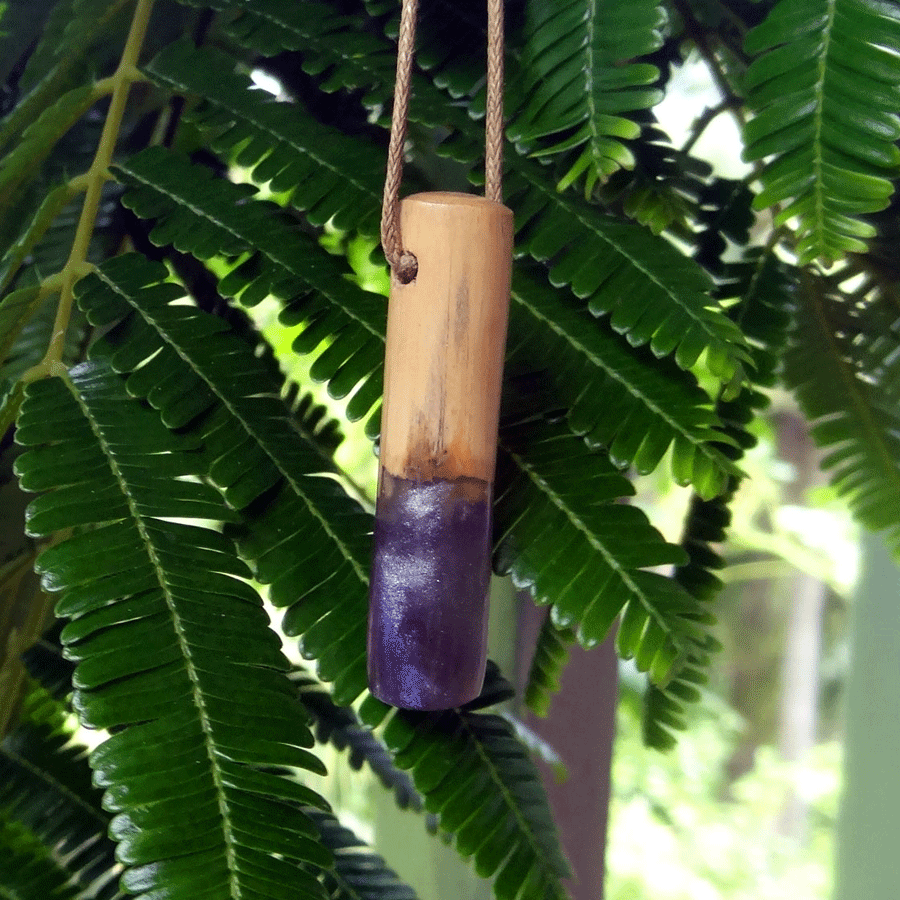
x,y
445,339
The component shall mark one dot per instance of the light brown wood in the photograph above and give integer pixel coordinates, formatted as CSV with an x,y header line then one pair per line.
x,y
445,339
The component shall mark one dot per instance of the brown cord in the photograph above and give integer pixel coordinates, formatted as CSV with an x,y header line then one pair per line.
x,y
493,126
404,264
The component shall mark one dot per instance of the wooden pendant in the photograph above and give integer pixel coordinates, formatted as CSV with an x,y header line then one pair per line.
x,y
446,334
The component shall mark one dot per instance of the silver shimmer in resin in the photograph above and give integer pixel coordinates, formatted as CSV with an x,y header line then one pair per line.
x,y
428,593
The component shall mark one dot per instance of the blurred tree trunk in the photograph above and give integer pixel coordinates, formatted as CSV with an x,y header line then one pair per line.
x,y
799,706
868,861
798,710
580,728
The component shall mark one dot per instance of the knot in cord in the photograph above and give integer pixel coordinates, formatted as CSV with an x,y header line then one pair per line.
x,y
404,264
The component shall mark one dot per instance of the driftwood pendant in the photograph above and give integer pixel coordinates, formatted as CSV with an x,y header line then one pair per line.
x,y
446,334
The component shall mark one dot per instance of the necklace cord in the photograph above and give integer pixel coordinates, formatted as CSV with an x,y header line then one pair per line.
x,y
493,126
404,264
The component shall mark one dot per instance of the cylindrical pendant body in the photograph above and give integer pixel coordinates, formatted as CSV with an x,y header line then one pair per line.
x,y
443,371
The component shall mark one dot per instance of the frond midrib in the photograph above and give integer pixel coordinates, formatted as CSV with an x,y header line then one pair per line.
x,y
648,402
249,429
563,201
818,117
79,802
183,643
599,546
524,826
590,17
861,409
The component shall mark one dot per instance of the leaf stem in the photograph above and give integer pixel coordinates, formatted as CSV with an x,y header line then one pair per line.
x,y
702,122
697,33
94,179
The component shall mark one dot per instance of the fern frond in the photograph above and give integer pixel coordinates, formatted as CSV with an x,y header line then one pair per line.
x,y
59,62
601,259
33,232
203,216
40,137
45,785
478,778
306,539
566,538
358,874
617,396
578,79
847,380
337,47
158,619
664,705
826,89
324,172
550,657
653,294
341,726
27,869
662,190
16,309
272,538
764,313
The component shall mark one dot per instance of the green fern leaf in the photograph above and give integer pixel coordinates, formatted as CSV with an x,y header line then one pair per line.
x,y
576,79
41,770
335,45
847,380
358,874
39,139
617,396
309,541
664,705
601,259
28,871
550,657
826,89
73,27
58,63
763,312
323,172
563,510
152,656
35,228
478,778
653,294
16,309
273,540
341,726
203,216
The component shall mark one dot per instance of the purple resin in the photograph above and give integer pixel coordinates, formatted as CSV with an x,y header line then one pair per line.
x,y
428,593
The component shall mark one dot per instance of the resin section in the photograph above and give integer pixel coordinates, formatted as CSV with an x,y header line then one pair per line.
x,y
428,593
